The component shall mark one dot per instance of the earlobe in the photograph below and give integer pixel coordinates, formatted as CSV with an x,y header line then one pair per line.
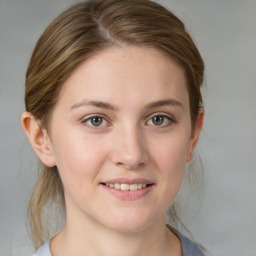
x,y
195,134
38,138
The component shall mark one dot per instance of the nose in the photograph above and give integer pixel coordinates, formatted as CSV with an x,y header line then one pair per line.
x,y
129,149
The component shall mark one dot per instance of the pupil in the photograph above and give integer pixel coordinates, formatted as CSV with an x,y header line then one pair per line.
x,y
96,121
158,120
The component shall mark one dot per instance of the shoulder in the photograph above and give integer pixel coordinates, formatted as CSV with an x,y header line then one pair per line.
x,y
190,248
44,250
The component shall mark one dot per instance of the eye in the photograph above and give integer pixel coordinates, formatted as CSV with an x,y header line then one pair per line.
x,y
95,121
160,120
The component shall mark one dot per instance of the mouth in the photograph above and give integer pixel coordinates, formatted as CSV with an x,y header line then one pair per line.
x,y
127,187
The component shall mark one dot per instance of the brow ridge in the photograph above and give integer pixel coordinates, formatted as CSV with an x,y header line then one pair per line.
x,y
105,105
165,102
99,104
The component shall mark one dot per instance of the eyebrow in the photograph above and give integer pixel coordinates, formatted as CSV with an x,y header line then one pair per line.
x,y
162,103
98,104
105,105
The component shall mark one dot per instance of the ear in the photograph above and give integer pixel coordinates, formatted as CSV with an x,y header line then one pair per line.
x,y
39,139
195,134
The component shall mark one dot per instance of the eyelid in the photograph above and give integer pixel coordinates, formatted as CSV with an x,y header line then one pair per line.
x,y
85,119
167,116
89,117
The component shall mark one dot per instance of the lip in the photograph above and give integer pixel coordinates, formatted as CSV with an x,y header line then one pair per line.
x,y
127,194
129,181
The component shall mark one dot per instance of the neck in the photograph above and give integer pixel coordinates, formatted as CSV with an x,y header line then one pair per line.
x,y
89,237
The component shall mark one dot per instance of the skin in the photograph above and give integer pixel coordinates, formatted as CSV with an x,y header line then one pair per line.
x,y
128,144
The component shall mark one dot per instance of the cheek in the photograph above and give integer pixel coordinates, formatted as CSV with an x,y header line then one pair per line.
x,y
170,159
79,159
171,152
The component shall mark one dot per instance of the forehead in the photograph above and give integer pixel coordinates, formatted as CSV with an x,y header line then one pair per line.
x,y
135,72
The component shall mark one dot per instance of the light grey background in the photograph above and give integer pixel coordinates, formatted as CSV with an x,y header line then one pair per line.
x,y
225,32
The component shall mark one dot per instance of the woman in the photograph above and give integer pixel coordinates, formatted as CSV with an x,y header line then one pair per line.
x,y
114,112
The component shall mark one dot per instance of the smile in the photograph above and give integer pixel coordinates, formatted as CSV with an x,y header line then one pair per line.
x,y
126,187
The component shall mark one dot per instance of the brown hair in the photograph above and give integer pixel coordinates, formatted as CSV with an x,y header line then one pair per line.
x,y
80,32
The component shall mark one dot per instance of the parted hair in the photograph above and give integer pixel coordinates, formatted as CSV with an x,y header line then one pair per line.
x,y
81,31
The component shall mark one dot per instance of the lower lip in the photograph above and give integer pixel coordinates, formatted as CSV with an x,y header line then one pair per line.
x,y
127,194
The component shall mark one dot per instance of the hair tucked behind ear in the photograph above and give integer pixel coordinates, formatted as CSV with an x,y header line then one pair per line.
x,y
80,32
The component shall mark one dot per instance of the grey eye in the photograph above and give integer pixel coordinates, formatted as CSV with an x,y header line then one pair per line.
x,y
96,121
158,120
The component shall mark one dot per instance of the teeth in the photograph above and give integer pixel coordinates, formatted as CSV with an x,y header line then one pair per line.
x,y
117,185
133,187
127,187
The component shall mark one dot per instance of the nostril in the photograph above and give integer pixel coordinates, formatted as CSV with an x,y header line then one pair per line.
x,y
129,153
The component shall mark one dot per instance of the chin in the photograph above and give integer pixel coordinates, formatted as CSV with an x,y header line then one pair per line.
x,y
129,223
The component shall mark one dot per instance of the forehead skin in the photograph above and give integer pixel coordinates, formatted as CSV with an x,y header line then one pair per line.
x,y
112,71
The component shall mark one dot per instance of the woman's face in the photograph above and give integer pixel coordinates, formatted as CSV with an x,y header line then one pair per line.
x,y
120,135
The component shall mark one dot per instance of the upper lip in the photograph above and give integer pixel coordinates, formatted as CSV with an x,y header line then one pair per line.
x,y
128,181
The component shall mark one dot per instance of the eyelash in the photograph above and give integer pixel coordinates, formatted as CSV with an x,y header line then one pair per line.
x,y
166,118
90,119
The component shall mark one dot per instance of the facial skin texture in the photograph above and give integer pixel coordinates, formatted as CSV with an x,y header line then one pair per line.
x,y
128,143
